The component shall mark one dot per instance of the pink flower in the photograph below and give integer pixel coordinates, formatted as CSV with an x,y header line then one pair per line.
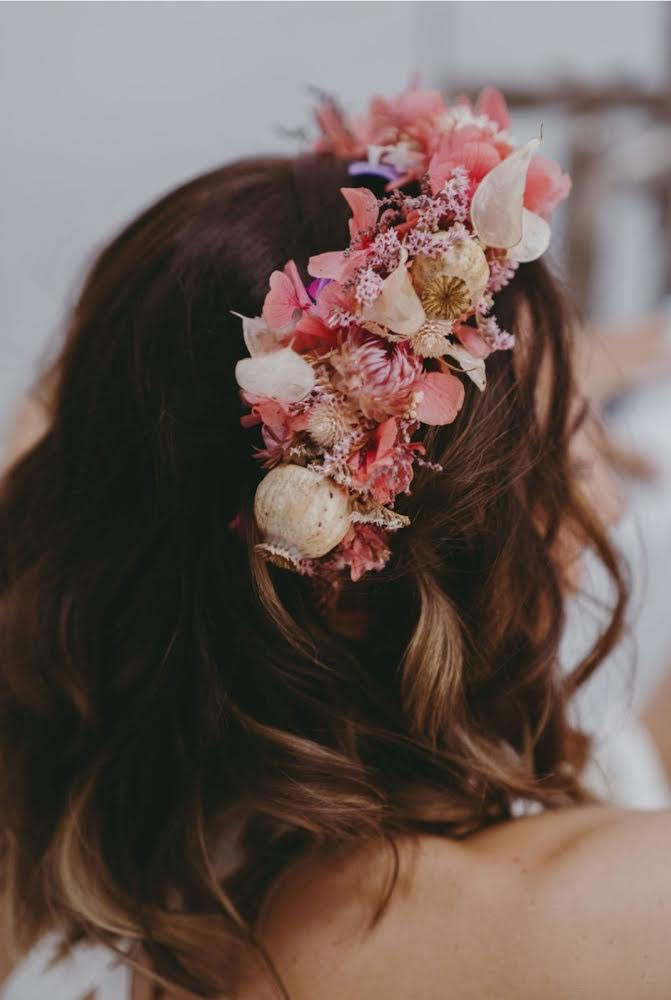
x,y
470,339
379,376
467,147
278,426
337,136
286,299
491,103
365,208
546,186
384,466
442,398
412,113
364,548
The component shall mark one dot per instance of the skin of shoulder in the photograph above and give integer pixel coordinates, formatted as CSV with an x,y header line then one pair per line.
x,y
569,904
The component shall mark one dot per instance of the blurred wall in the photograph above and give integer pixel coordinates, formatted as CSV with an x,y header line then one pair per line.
x,y
105,105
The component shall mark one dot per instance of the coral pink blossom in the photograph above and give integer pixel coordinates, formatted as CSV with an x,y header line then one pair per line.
x,y
337,136
384,465
364,548
467,147
312,333
287,296
365,208
379,376
336,264
443,397
413,112
471,339
278,425
546,186
491,103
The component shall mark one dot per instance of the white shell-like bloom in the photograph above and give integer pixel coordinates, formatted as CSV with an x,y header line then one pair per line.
x,y
397,307
535,239
498,202
300,514
472,366
281,374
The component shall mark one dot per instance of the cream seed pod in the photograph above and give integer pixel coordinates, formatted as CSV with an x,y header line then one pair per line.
x,y
300,514
449,285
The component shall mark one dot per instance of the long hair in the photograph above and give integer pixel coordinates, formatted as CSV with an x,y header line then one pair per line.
x,y
162,686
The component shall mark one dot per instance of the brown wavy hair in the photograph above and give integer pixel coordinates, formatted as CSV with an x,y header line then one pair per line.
x,y
161,686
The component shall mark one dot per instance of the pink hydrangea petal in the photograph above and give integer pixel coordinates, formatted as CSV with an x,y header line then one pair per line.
x,y
491,103
546,186
443,398
478,158
336,264
281,302
313,334
364,207
419,103
294,277
385,436
472,341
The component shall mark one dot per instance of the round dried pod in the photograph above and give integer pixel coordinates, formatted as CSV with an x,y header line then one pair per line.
x,y
452,284
300,514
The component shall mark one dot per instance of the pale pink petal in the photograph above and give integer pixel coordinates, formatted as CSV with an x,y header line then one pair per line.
x,y
336,264
472,341
274,416
546,186
334,296
443,398
364,207
419,103
294,277
385,436
478,158
282,375
313,334
439,170
496,209
281,302
491,103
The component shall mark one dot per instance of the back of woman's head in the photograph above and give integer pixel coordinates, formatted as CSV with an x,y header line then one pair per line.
x,y
162,685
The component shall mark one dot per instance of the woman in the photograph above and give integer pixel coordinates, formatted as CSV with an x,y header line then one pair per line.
x,y
257,782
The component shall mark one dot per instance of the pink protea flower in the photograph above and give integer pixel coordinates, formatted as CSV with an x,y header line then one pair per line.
x,y
364,548
379,376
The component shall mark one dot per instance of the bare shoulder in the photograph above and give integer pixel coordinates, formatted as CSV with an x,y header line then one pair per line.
x,y
574,903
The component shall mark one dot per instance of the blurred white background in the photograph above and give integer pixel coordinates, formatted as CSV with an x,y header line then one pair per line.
x,y
106,105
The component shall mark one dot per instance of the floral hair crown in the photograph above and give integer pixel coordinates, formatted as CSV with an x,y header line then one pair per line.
x,y
341,374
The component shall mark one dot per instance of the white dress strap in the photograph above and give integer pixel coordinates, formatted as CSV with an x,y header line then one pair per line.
x,y
87,969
